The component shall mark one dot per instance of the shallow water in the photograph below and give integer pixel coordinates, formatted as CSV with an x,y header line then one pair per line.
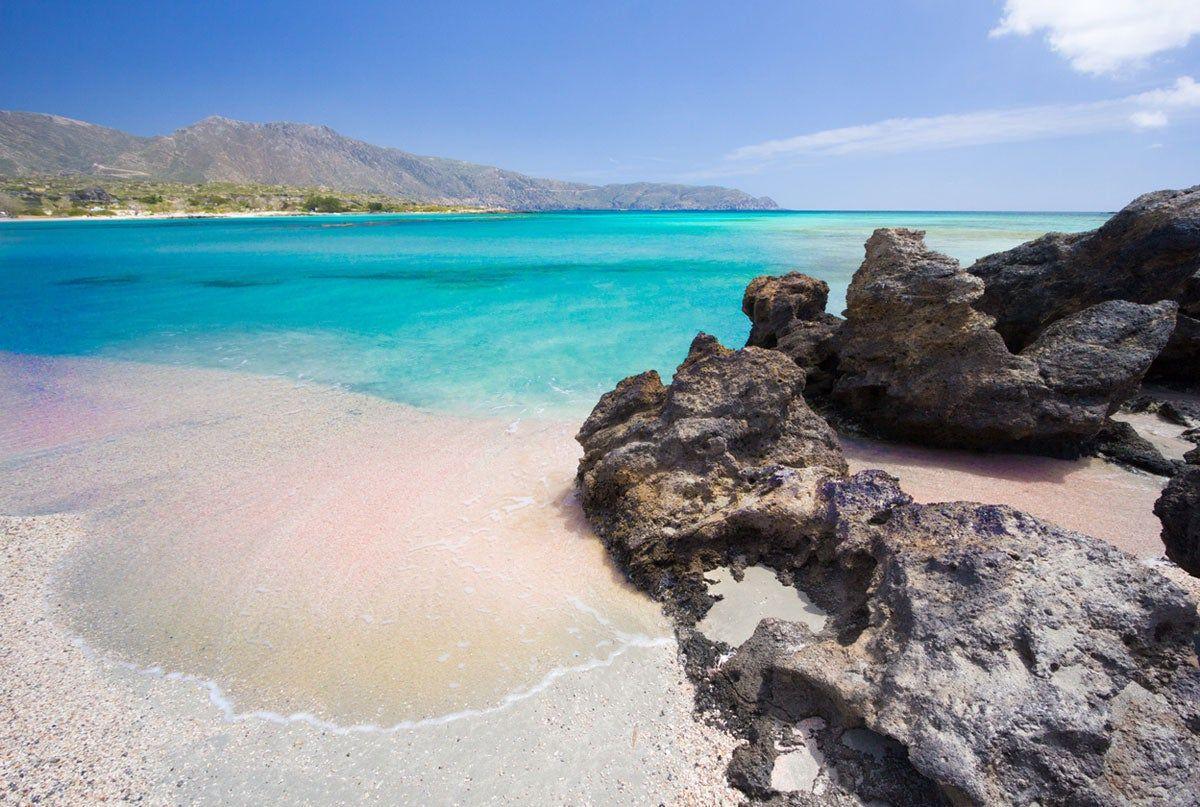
x,y
757,596
453,312
312,551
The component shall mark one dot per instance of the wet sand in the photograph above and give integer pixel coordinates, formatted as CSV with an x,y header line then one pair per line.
x,y
317,552
77,728
295,560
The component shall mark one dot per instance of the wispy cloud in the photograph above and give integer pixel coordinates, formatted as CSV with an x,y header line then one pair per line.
x,y
1148,110
1104,36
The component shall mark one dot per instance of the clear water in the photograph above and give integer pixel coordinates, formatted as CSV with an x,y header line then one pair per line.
x,y
462,312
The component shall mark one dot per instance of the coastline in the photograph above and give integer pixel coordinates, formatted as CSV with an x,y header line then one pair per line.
x,y
250,214
636,707
208,738
82,728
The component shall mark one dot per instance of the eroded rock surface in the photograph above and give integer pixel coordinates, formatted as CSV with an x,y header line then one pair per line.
x,y
1016,662
1179,511
918,361
1147,252
729,450
973,654
787,313
1118,441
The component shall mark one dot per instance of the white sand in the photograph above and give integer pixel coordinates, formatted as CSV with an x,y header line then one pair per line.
x,y
339,561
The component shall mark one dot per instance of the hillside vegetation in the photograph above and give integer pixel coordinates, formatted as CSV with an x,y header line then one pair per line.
x,y
107,196
300,155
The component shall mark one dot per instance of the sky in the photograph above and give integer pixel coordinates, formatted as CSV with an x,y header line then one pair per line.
x,y
907,104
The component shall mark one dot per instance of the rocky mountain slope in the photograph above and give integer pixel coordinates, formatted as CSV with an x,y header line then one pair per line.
x,y
219,149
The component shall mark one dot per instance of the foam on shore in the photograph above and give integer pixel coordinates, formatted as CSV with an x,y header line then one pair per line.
x,y
82,729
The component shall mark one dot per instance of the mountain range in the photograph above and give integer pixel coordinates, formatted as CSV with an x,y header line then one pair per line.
x,y
219,149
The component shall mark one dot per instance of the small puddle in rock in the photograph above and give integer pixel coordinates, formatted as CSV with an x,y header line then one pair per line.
x,y
798,768
744,604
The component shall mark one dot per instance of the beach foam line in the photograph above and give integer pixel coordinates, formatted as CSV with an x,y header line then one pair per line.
x,y
218,697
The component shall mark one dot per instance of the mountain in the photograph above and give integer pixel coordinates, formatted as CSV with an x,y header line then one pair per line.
x,y
219,149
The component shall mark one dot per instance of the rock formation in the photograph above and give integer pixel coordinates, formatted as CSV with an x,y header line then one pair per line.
x,y
973,654
788,314
1147,252
917,361
728,448
1118,441
1179,511
1016,662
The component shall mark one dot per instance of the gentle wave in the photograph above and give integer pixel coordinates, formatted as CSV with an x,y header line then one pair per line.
x,y
218,697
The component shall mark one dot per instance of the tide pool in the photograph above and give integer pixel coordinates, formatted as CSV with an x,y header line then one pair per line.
x,y
462,313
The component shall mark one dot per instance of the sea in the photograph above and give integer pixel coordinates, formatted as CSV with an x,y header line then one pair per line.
x,y
454,313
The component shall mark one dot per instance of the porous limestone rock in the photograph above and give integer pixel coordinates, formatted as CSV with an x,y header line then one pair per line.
x,y
918,361
787,313
1179,511
1147,252
1016,662
1120,442
729,450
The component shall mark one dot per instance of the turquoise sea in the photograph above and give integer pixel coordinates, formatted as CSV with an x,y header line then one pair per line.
x,y
471,313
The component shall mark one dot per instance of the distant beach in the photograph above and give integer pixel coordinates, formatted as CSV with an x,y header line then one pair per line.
x,y
241,214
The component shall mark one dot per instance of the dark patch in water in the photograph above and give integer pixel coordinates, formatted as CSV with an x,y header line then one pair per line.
x,y
235,284
457,278
100,280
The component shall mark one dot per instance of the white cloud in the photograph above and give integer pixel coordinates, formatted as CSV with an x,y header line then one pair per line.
x,y
1152,109
1149,119
1103,36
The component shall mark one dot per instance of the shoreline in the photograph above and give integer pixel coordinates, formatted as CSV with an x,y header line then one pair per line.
x,y
83,728
630,697
251,214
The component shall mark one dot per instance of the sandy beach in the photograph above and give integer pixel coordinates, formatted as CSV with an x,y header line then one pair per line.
x,y
252,586
249,214
235,574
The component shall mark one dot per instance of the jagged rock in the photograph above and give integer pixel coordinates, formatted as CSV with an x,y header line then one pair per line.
x,y
729,449
1180,359
918,361
1179,511
787,313
877,770
1178,413
1120,442
1147,252
1017,662
773,304
996,658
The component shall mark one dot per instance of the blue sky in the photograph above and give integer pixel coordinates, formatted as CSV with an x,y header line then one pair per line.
x,y
926,104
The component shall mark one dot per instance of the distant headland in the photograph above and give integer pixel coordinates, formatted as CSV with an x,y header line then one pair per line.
x,y
304,156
